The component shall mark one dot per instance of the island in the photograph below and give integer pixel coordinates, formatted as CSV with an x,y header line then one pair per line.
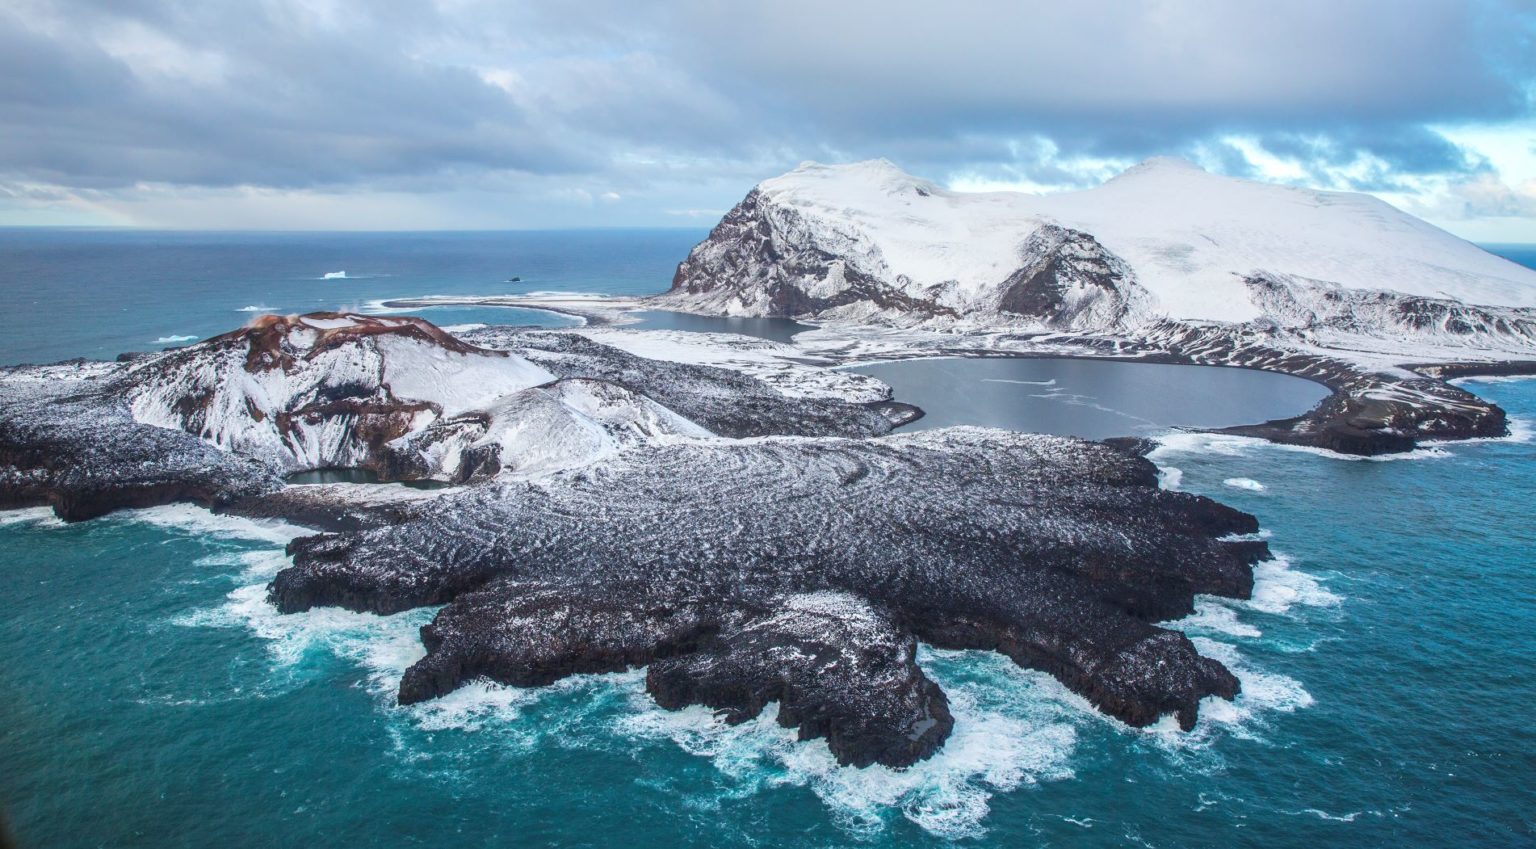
x,y
748,523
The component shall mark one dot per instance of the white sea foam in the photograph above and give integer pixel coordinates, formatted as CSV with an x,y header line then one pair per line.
x,y
1262,693
1171,476
1324,815
1491,378
1277,587
171,340
200,520
334,275
384,645
41,516
1216,616
1012,728
1245,483
254,308
1521,430
1227,445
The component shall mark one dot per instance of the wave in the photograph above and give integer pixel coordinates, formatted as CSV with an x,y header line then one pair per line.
x,y
1324,815
1217,617
1013,728
1521,430
1245,483
1245,717
1170,476
1228,445
199,520
1277,588
38,516
1491,378
334,275
170,340
254,308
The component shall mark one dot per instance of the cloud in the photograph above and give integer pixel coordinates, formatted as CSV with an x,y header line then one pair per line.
x,y
652,106
1489,197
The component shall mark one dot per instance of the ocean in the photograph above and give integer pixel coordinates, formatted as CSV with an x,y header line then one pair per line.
x,y
154,699
98,293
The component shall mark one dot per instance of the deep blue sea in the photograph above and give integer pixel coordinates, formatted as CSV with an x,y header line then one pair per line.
x,y
98,293
153,699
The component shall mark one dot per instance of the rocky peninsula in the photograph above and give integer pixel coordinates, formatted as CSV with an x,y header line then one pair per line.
x,y
745,543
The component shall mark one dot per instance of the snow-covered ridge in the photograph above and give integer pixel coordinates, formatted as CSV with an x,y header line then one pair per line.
x,y
1164,240
407,400
324,389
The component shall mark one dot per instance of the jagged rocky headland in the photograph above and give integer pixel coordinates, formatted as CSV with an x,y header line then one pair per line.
x,y
747,544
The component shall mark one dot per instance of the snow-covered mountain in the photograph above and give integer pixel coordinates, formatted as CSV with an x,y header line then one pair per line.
x,y
395,394
1164,240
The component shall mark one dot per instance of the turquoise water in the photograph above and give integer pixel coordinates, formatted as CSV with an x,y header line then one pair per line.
x,y
153,699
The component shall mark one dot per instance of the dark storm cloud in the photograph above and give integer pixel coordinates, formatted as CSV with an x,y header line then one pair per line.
x,y
290,94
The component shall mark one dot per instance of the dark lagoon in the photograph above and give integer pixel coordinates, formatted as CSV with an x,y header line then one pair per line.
x,y
1095,399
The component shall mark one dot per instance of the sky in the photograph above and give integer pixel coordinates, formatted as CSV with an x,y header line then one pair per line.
x,y
489,114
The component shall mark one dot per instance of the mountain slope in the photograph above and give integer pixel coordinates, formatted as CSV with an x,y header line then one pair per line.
x,y
1164,240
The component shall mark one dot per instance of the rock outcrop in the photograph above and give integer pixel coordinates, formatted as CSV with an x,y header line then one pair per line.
x,y
224,420
801,570
66,444
605,521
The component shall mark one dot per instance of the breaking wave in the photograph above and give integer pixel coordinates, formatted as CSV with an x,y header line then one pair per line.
x,y
171,340
1013,728
1227,445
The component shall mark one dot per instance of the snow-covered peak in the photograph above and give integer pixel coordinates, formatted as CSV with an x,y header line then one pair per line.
x,y
1190,239
873,177
1158,165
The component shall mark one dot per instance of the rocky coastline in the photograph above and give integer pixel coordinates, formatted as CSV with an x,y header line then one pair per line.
x,y
747,545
